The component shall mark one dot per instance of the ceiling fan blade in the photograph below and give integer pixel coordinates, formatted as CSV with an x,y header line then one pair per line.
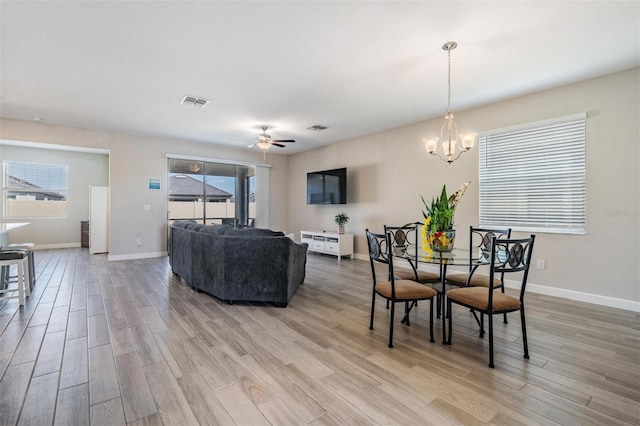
x,y
283,140
277,144
251,146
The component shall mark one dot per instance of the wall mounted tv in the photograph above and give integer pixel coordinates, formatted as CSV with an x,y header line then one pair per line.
x,y
327,187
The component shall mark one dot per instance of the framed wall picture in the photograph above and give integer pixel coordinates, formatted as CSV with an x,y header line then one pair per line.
x,y
154,183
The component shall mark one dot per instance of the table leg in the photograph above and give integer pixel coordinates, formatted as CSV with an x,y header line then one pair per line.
x,y
443,310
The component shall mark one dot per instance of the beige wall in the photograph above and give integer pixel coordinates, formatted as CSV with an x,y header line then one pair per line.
x,y
387,173
85,170
133,160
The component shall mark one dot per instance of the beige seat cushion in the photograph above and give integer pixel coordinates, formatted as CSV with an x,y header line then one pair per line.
x,y
406,290
477,280
478,297
423,276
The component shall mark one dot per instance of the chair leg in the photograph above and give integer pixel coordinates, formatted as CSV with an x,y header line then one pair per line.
x,y
407,309
481,325
3,278
438,307
26,278
450,321
373,305
32,271
387,303
490,340
393,308
524,333
20,284
505,314
431,321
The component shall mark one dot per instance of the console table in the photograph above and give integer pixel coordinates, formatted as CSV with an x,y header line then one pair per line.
x,y
328,243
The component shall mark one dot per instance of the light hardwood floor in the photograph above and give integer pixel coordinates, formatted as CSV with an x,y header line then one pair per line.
x,y
128,343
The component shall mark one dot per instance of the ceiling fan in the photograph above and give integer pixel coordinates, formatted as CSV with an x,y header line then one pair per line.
x,y
265,142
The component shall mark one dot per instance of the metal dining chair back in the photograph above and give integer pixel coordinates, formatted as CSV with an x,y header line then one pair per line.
x,y
405,238
479,242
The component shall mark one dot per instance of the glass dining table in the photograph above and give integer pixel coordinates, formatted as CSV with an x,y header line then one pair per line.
x,y
455,257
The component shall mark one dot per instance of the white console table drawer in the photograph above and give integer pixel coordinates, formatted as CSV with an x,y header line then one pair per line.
x,y
332,247
318,246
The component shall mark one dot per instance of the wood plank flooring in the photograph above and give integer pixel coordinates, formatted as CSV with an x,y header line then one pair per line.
x,y
115,343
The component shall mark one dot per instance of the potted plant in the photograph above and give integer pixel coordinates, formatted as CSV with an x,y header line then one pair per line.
x,y
341,219
438,232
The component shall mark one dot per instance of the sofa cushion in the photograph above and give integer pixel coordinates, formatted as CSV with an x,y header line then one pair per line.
x,y
182,223
193,226
216,229
254,232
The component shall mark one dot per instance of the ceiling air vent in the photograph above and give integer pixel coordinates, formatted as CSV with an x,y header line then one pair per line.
x,y
190,100
317,127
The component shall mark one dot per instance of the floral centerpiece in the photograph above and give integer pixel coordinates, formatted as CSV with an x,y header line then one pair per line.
x,y
437,232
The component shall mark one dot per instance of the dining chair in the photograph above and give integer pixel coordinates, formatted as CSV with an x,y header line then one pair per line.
x,y
406,238
479,241
392,289
505,256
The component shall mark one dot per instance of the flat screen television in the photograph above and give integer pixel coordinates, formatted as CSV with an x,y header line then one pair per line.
x,y
327,187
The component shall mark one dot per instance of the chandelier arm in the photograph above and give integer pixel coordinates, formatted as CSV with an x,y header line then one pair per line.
x,y
447,159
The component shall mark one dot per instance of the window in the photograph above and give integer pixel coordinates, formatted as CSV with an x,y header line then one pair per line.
x,y
34,190
532,177
211,192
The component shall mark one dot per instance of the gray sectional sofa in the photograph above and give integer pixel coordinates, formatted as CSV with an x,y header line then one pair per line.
x,y
249,264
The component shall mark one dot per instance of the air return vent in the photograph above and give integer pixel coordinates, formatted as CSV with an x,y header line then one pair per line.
x,y
317,127
190,100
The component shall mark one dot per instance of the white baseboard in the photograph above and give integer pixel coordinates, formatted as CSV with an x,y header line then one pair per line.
x,y
596,299
116,257
56,246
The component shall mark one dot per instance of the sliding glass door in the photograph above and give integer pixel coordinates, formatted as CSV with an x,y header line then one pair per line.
x,y
210,192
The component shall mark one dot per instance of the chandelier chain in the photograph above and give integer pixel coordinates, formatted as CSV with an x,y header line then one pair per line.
x,y
449,83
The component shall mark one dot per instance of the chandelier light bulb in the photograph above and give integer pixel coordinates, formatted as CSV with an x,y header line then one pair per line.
x,y
468,140
449,148
431,144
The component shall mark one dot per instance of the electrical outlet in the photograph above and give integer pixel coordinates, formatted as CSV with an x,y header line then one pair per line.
x,y
139,241
541,264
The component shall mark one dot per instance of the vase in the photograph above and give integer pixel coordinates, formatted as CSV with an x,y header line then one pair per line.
x,y
340,229
441,240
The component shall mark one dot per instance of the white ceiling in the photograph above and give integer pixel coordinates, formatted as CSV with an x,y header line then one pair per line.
x,y
356,67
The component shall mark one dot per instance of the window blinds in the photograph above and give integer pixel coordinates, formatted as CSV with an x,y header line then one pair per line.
x,y
532,178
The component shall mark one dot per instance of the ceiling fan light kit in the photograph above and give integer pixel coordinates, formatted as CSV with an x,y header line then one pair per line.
x,y
264,141
451,139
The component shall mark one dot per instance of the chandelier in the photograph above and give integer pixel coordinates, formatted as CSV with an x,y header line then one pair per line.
x,y
450,140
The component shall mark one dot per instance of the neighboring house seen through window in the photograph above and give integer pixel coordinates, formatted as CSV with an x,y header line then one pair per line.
x,y
532,177
33,190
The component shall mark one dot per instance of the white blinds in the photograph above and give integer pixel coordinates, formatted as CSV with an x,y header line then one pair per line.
x,y
532,178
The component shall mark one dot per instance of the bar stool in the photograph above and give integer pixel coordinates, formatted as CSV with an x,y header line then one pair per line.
x,y
19,258
32,265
